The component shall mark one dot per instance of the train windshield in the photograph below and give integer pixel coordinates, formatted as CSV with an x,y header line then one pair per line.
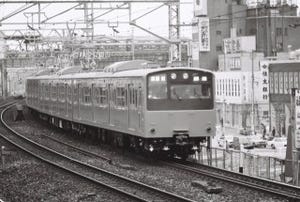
x,y
180,90
186,92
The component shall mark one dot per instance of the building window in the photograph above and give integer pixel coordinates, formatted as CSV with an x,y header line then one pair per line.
x,y
219,48
278,31
239,90
286,31
218,32
252,31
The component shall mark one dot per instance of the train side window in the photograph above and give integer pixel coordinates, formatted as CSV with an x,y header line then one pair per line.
x,y
140,96
86,95
47,91
96,95
76,93
135,99
53,92
50,90
69,93
62,92
42,92
131,94
103,95
121,97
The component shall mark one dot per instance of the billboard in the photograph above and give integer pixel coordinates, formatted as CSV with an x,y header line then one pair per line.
x,y
297,119
239,44
200,8
265,81
204,39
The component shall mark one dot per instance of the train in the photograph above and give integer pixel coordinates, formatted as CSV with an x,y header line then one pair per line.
x,y
134,104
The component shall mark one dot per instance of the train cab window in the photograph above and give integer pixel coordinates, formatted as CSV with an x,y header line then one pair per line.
x,y
180,90
190,91
157,87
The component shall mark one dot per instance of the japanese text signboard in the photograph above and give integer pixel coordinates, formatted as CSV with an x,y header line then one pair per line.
x,y
265,81
204,40
297,119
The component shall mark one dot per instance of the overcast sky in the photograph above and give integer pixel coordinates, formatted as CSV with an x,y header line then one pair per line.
x,y
156,21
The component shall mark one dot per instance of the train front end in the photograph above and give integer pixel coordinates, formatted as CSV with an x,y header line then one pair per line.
x,y
180,110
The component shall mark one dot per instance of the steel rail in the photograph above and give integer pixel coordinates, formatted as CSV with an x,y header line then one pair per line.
x,y
147,189
79,149
236,179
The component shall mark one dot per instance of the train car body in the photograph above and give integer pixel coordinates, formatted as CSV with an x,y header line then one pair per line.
x,y
132,104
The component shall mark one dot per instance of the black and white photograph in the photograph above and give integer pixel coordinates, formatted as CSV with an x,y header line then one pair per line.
x,y
150,100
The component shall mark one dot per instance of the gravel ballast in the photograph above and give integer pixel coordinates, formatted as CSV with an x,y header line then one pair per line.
x,y
140,169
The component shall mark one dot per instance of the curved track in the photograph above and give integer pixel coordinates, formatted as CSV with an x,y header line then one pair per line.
x,y
132,190
290,192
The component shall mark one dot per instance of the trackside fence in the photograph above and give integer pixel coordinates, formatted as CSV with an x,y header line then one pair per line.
x,y
243,162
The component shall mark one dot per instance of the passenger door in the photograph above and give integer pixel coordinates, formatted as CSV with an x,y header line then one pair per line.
x,y
110,102
133,116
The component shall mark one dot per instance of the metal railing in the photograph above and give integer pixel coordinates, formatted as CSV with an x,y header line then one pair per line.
x,y
246,163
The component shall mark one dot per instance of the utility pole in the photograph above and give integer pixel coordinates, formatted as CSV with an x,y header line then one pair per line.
x,y
174,31
252,101
132,32
295,106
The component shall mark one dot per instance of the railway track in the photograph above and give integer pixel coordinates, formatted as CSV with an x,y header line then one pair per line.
x,y
131,189
290,192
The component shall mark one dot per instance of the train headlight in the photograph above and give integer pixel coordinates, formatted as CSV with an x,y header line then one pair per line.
x,y
151,148
196,78
185,75
173,76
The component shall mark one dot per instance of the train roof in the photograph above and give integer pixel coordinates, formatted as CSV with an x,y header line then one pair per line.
x,y
136,68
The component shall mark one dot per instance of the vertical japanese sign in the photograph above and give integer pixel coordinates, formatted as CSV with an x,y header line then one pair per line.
x,y
275,81
297,119
286,83
204,39
281,87
291,80
265,82
296,80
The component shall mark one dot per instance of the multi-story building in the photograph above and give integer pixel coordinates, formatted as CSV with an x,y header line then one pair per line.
x,y
275,27
234,94
220,16
274,24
